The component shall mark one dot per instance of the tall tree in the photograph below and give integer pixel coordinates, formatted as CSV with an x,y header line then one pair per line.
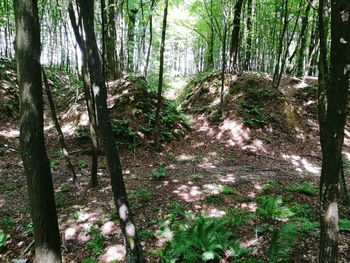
x,y
332,134
132,242
161,71
235,34
34,156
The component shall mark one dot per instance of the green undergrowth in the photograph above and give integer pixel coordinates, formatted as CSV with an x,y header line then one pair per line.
x,y
200,238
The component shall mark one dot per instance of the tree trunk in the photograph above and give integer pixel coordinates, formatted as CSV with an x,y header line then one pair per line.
x,y
131,239
247,65
131,37
59,131
90,103
333,133
223,69
35,161
303,35
150,38
235,35
160,80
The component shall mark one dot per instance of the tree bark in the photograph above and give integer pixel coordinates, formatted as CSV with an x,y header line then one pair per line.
x,y
90,103
59,131
247,65
35,161
131,239
235,34
160,80
333,133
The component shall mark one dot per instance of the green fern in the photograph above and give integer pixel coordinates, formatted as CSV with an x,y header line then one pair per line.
x,y
271,207
281,247
202,239
304,188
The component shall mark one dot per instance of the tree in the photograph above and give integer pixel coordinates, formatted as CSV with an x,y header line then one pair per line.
x,y
235,34
33,151
160,80
131,239
332,126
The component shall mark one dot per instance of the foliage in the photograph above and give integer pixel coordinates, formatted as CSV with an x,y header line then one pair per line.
x,y
281,247
143,194
3,238
95,244
303,210
88,260
253,114
213,199
228,190
82,132
82,164
62,194
123,133
201,239
145,235
159,173
270,207
303,188
7,222
344,225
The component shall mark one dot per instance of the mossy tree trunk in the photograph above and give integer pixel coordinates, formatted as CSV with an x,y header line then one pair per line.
x,y
131,239
35,161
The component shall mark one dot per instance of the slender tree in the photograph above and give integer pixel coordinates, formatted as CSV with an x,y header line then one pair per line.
x,y
34,156
131,239
160,80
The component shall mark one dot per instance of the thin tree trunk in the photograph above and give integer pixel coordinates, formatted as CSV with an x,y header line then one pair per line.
x,y
59,131
35,161
223,69
90,103
160,80
235,35
150,38
247,65
131,239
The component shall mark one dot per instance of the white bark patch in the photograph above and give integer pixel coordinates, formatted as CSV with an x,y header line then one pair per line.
x,y
331,217
343,41
96,89
335,135
346,69
345,16
123,212
130,229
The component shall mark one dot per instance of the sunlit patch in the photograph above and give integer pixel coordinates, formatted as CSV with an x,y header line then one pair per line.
x,y
71,232
250,242
189,193
83,237
114,253
214,212
257,187
256,146
10,133
212,189
302,164
107,228
228,178
238,134
2,202
82,216
84,119
206,165
165,183
68,128
249,206
252,194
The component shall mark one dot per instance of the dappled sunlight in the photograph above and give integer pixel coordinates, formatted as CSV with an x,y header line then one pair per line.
x,y
213,212
189,193
205,126
302,164
251,206
11,133
68,128
238,134
250,242
256,146
212,189
71,232
228,178
114,253
108,228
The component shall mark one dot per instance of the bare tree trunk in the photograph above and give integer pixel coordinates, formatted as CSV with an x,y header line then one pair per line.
x,y
59,131
90,103
332,137
35,161
160,81
131,239
235,35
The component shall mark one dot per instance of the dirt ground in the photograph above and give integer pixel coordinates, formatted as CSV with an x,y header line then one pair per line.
x,y
206,158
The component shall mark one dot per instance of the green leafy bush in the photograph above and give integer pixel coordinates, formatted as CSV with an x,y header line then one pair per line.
x,y
344,225
271,207
144,234
201,239
159,173
281,247
95,244
304,188
143,194
123,133
82,132
253,114
228,190
3,238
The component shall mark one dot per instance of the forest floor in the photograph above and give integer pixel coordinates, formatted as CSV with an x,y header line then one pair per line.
x,y
211,170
